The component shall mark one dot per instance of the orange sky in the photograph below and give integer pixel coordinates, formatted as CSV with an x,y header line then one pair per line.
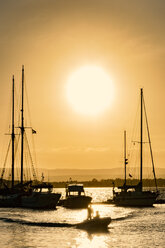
x,y
53,39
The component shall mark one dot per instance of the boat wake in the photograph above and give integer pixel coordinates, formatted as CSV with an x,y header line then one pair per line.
x,y
95,224
42,224
129,216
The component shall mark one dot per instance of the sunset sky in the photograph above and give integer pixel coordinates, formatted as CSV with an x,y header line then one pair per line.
x,y
55,38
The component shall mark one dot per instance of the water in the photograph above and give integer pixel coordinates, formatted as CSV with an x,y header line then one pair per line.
x,y
130,227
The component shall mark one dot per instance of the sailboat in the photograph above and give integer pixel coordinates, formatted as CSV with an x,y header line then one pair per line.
x,y
26,194
135,195
9,194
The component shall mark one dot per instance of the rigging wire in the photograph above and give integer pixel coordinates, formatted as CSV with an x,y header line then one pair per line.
x,y
152,159
33,143
16,155
133,157
4,166
33,169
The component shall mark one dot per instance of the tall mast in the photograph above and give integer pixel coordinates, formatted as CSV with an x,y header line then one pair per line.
x,y
13,135
125,159
22,125
141,139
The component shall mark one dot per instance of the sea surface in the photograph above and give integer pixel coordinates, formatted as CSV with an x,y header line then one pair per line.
x,y
130,227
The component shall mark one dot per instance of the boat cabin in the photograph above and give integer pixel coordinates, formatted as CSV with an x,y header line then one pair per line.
x,y
46,187
75,189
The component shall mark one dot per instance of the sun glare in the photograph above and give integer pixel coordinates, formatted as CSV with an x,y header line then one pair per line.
x,y
89,90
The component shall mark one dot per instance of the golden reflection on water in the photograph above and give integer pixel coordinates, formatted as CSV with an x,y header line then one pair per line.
x,y
91,240
130,227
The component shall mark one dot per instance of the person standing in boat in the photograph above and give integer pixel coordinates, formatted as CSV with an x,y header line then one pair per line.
x,y
97,215
90,212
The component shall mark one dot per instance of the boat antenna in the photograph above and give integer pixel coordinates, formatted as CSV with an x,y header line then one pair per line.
x,y
22,125
13,134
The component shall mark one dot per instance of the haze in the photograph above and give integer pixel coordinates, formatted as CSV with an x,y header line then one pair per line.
x,y
55,38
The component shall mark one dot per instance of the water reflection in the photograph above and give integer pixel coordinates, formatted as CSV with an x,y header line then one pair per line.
x,y
91,232
85,240
129,227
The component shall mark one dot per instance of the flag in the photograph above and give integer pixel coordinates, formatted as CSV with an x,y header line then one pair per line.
x,y
33,131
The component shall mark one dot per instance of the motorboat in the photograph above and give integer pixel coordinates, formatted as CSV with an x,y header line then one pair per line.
x,y
75,197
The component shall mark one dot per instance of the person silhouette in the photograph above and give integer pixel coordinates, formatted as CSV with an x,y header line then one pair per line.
x,y
90,212
97,215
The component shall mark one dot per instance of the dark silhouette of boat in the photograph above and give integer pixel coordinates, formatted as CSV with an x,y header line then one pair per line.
x,y
95,224
40,197
26,194
75,197
134,195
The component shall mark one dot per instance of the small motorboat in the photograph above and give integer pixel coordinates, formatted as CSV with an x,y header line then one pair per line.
x,y
95,224
75,197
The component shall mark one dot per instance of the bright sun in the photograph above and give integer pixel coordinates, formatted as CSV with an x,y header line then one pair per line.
x,y
89,90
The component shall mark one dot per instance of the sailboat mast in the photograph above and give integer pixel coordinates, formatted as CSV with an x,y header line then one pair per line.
x,y
22,125
13,135
125,159
141,139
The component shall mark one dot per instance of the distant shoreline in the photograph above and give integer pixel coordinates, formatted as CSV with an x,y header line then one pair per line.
x,y
110,183
103,182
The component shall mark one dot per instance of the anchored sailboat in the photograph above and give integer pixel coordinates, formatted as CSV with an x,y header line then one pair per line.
x,y
26,193
134,195
9,194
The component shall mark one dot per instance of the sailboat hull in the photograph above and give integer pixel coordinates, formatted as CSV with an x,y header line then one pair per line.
x,y
8,201
40,200
135,199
